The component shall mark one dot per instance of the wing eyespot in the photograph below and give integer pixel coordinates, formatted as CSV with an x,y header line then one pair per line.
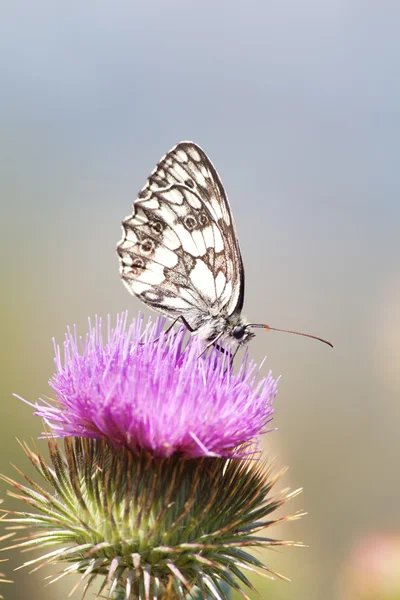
x,y
156,227
190,222
203,219
138,266
147,246
139,263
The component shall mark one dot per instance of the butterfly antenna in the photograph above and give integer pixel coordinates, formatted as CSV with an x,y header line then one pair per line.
x,y
268,328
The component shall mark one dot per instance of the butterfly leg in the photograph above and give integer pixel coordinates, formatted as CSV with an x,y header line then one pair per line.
x,y
224,351
221,349
233,356
186,324
212,343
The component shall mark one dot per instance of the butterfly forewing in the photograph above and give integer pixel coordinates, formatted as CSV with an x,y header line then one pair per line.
x,y
179,252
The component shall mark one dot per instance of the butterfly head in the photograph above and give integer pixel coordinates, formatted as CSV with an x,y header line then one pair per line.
x,y
241,333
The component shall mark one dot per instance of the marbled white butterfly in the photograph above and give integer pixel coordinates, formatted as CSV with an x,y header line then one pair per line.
x,y
180,252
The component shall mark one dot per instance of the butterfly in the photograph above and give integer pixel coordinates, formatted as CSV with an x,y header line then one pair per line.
x,y
180,253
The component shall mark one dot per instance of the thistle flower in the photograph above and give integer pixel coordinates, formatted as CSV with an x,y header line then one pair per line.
x,y
160,396
158,490
154,528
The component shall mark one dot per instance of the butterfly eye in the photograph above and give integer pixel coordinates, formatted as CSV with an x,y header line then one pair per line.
x,y
238,332
190,222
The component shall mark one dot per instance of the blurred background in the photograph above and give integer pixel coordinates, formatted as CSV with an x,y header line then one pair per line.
x,y
298,106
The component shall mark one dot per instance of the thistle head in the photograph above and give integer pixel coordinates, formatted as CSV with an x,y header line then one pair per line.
x,y
162,397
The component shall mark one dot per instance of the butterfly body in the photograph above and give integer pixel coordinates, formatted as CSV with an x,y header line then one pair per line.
x,y
232,327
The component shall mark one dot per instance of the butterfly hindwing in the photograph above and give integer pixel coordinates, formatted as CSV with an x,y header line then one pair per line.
x,y
179,253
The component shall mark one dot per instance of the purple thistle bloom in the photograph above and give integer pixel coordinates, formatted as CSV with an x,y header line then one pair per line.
x,y
157,396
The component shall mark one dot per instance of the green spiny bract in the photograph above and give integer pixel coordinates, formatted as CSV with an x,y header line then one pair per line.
x,y
153,528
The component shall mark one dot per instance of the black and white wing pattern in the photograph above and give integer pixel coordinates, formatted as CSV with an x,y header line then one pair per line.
x,y
179,252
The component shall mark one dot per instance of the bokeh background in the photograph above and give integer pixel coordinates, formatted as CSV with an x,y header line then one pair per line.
x,y
298,105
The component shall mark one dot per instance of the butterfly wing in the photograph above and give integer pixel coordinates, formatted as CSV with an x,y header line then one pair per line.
x,y
179,252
